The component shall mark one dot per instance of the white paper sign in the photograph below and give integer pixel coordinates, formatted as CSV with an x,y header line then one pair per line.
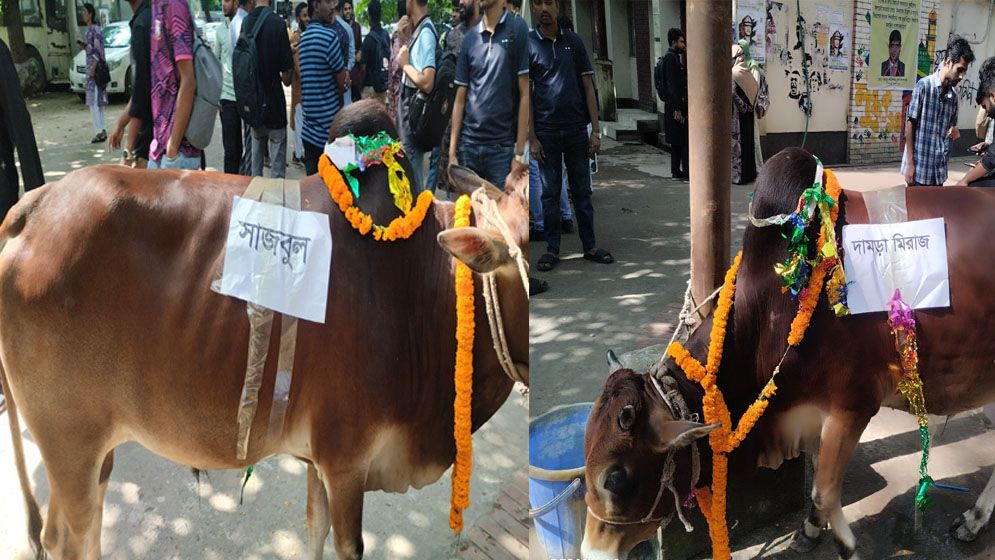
x,y
910,256
278,258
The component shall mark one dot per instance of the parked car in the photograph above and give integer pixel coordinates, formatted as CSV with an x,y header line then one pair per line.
x,y
117,50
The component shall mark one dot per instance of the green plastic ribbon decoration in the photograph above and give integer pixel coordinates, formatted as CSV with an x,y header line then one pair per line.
x,y
381,150
241,493
902,321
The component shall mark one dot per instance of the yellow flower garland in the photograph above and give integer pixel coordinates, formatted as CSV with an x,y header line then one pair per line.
x,y
725,439
400,227
463,465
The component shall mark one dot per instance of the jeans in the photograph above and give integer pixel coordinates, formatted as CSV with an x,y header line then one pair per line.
x,y
492,163
569,148
535,197
679,157
277,140
433,169
312,154
179,162
231,135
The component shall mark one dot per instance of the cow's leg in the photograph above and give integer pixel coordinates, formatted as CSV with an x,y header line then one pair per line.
x,y
318,521
93,538
345,491
73,519
840,435
972,521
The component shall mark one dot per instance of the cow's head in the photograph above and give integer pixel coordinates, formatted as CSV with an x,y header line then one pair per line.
x,y
491,245
629,434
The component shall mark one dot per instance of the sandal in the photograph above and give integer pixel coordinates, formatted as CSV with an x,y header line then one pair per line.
x,y
537,286
599,256
547,262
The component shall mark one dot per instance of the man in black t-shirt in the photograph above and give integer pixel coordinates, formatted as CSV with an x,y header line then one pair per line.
x,y
276,62
375,57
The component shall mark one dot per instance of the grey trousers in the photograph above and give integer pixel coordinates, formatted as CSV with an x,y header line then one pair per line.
x,y
276,139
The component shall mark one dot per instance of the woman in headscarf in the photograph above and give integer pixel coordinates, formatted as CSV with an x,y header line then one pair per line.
x,y
746,107
96,97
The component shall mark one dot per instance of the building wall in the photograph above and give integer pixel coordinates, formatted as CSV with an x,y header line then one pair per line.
x,y
877,116
623,64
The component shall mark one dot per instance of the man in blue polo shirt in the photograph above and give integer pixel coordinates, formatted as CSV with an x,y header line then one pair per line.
x,y
323,78
564,104
491,111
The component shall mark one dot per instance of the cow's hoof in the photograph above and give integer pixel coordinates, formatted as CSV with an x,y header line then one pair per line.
x,y
803,542
961,528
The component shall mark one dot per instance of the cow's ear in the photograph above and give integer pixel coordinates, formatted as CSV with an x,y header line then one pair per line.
x,y
676,434
467,181
481,252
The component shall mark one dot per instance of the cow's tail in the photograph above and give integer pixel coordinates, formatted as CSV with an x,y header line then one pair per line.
x,y
34,514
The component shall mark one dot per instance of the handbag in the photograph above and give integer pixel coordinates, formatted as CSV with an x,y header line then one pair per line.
x,y
101,74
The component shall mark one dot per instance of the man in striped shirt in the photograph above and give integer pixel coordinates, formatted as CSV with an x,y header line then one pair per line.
x,y
323,79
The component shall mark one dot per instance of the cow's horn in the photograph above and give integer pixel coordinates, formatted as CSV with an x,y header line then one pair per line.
x,y
613,363
626,417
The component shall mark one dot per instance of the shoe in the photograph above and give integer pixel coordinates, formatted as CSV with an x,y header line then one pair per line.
x,y
567,226
101,137
536,235
547,262
536,286
599,256
679,176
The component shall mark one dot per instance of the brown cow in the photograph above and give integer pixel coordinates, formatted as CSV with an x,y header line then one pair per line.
x,y
829,387
109,333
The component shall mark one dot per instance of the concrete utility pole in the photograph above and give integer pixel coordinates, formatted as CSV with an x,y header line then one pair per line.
x,y
709,63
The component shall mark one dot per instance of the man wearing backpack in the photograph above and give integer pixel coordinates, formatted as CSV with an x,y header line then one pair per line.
x,y
375,57
244,7
173,86
417,62
564,106
274,64
323,79
672,87
468,14
491,111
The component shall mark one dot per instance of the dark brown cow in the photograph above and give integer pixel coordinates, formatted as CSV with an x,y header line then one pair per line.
x,y
829,387
109,333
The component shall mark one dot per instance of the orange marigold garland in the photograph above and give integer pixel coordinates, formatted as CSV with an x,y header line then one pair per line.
x,y
725,439
400,227
463,465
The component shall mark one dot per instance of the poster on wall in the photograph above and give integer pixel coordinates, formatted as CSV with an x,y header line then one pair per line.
x,y
839,41
749,24
894,42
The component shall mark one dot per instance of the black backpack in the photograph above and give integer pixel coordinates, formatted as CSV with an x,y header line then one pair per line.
x,y
428,114
379,70
250,99
660,78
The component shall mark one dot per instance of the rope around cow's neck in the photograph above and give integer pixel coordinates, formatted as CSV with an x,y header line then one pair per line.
x,y
489,213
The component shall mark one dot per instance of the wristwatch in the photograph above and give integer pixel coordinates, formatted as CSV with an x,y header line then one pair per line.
x,y
596,135
520,158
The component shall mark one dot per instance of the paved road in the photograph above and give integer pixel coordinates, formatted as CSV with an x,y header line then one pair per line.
x,y
155,509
